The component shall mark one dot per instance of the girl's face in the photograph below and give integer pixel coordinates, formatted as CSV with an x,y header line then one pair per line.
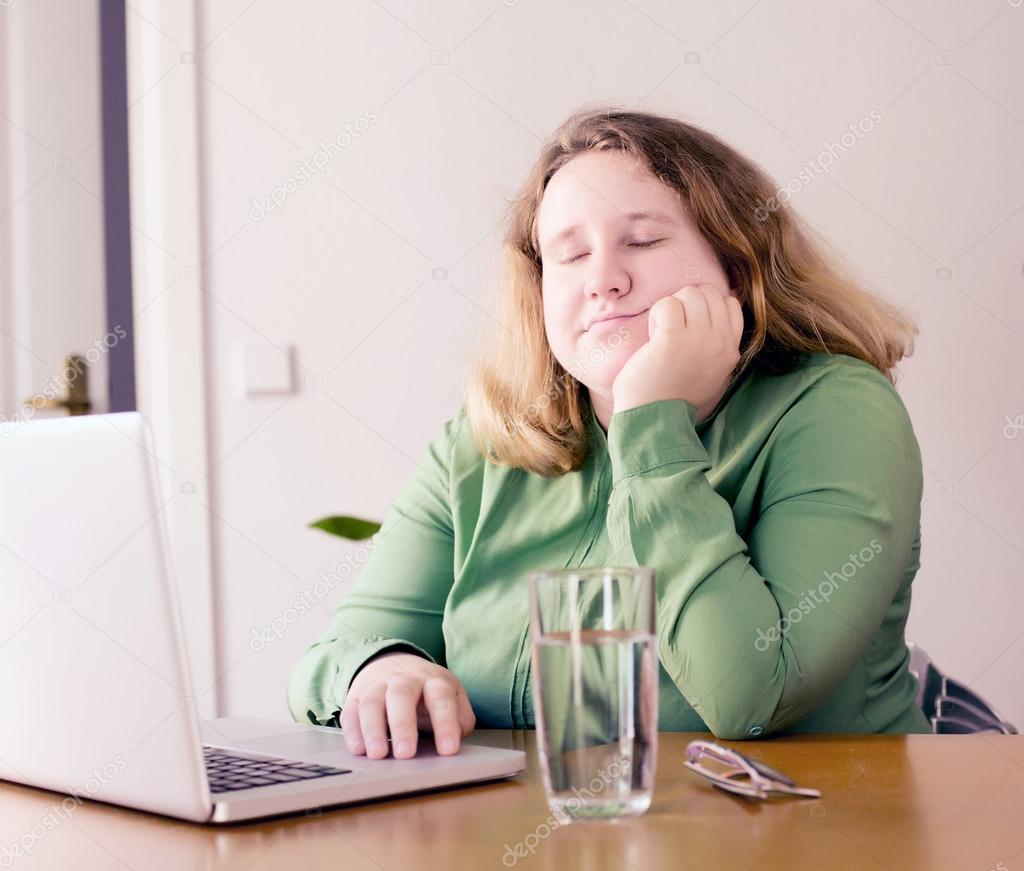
x,y
613,241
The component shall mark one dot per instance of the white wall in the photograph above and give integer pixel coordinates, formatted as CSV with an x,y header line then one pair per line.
x,y
339,278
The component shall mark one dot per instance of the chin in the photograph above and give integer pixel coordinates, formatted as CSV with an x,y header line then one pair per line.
x,y
600,376
595,364
601,355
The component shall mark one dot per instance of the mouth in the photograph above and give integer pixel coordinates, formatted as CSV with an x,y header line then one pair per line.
x,y
611,324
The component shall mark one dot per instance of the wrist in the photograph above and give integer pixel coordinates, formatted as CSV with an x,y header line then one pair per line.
x,y
391,654
385,654
657,434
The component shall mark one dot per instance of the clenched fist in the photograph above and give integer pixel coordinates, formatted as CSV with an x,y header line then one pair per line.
x,y
692,348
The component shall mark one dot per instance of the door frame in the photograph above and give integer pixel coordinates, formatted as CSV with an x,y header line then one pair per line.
x,y
168,301
116,220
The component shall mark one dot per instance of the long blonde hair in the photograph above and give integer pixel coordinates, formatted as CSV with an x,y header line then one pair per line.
x,y
527,411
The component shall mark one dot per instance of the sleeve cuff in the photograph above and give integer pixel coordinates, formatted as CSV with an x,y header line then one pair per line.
x,y
655,434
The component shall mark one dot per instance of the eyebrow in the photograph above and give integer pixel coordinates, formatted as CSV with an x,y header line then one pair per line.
x,y
659,217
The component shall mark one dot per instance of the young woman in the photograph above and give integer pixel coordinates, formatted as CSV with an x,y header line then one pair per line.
x,y
685,378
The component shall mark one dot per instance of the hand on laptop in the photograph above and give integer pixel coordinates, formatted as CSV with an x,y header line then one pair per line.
x,y
403,693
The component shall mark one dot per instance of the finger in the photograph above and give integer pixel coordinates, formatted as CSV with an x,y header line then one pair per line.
x,y
717,310
401,699
666,316
464,711
371,723
350,730
695,305
727,315
439,696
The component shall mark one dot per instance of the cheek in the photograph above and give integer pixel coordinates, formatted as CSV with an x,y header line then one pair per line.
x,y
559,320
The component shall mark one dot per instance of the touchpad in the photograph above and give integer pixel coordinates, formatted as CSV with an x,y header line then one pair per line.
x,y
308,743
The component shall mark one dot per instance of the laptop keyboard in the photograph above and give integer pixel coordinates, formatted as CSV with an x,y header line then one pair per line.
x,y
229,771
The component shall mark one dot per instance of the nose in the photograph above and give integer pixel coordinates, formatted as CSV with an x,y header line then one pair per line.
x,y
606,277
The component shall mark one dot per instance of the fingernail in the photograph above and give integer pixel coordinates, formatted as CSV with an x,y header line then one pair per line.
x,y
447,745
404,747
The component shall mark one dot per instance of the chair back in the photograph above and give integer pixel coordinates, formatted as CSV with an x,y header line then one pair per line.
x,y
951,707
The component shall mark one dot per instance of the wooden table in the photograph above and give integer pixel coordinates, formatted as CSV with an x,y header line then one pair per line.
x,y
888,802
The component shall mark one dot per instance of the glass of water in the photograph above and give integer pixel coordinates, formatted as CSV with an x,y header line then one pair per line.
x,y
595,689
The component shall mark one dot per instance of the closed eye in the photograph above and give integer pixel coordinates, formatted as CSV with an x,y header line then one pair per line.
x,y
646,244
649,244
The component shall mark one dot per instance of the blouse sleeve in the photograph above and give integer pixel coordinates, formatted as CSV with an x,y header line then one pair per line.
x,y
398,600
839,507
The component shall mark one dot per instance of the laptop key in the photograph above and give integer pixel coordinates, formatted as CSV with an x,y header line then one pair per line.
x,y
302,774
283,777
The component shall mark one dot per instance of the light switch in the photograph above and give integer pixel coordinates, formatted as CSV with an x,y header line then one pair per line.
x,y
264,369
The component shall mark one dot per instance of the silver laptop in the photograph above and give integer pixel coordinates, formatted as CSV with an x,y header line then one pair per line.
x,y
97,695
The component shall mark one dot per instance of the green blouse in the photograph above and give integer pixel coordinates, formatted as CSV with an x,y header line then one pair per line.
x,y
784,531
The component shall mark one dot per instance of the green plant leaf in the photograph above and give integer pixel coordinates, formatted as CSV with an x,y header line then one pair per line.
x,y
354,528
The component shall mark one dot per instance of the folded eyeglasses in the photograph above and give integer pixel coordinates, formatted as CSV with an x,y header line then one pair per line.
x,y
732,771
